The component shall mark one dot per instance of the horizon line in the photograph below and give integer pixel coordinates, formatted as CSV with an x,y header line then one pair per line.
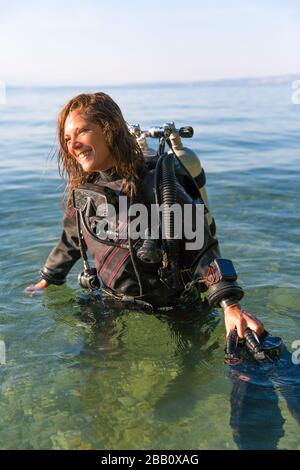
x,y
279,79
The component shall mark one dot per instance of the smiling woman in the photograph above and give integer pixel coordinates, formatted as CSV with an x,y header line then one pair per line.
x,y
94,137
103,164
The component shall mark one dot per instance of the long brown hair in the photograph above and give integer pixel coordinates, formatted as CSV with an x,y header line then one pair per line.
x,y
100,108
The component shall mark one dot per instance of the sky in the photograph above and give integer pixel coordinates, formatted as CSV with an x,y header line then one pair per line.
x,y
111,42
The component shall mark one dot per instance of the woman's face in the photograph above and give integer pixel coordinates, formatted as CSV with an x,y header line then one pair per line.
x,y
85,142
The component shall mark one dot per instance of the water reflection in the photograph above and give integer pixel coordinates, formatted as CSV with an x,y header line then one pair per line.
x,y
191,332
146,367
256,418
143,378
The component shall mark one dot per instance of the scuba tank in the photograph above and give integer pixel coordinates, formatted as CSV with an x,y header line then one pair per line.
x,y
187,157
165,187
192,163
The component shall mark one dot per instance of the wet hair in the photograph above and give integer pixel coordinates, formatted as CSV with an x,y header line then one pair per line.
x,y
100,108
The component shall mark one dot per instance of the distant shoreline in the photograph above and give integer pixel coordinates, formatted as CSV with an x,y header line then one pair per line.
x,y
249,81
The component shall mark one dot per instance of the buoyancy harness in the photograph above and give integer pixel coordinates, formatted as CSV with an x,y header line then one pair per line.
x,y
149,271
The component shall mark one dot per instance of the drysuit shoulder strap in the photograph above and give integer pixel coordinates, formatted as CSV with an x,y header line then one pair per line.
x,y
150,160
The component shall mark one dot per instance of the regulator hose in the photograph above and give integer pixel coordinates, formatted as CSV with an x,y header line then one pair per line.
x,y
167,191
132,253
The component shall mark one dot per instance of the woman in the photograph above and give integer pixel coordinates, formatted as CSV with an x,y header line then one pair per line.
x,y
96,150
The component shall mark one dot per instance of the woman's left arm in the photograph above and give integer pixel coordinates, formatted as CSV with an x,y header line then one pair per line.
x,y
219,279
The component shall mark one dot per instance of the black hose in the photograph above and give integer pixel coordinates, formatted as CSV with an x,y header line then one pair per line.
x,y
82,246
166,194
169,198
157,194
132,252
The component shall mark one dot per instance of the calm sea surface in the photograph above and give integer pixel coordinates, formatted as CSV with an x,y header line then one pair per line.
x,y
81,374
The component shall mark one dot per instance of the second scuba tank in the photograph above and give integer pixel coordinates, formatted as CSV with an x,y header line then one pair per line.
x,y
192,163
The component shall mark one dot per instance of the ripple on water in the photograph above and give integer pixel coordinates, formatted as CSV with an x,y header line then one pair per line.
x,y
90,374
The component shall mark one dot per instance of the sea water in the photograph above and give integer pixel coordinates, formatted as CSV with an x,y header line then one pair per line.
x,y
80,373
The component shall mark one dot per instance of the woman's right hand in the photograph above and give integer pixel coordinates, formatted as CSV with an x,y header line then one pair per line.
x,y
34,288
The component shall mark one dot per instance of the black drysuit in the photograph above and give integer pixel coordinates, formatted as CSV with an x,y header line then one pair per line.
x,y
114,263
